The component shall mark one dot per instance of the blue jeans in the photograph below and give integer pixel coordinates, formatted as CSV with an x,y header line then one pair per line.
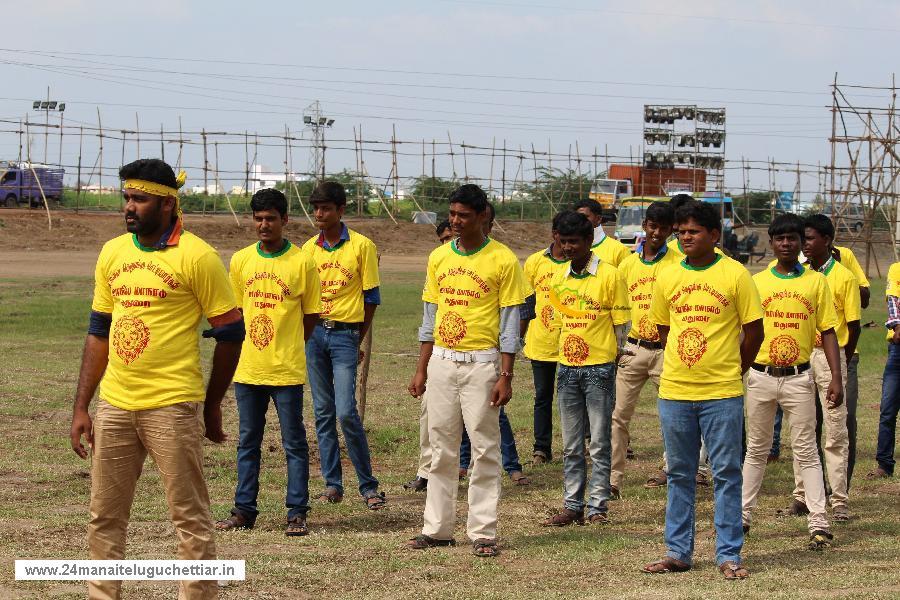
x,y
720,423
508,450
890,404
331,359
586,397
252,404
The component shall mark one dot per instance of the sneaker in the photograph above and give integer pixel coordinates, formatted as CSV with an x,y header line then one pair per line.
x,y
820,539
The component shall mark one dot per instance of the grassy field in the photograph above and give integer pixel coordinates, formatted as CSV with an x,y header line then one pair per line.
x,y
44,490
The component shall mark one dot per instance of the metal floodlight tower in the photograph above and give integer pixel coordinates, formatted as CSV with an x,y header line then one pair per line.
x,y
46,106
316,122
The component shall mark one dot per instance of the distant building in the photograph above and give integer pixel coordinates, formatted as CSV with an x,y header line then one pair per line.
x,y
93,188
261,177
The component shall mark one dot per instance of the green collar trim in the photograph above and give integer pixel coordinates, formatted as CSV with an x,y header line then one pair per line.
x,y
264,254
685,264
140,246
605,237
471,252
659,256
795,273
580,275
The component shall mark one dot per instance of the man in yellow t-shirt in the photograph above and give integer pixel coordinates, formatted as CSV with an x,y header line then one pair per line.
x,y
348,270
818,235
541,341
591,309
644,357
700,307
471,304
797,303
610,251
152,287
277,287
890,383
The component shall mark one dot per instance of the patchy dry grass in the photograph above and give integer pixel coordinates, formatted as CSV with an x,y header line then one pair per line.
x,y
352,553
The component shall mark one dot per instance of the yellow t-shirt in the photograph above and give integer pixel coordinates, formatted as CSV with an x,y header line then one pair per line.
x,y
638,276
611,251
156,298
796,306
274,291
848,259
675,245
587,307
345,270
542,337
892,288
469,290
845,293
705,309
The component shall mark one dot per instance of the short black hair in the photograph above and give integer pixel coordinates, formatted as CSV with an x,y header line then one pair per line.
x,y
492,210
660,212
574,223
330,192
149,169
679,200
469,195
556,218
820,223
703,214
591,205
441,227
787,223
269,199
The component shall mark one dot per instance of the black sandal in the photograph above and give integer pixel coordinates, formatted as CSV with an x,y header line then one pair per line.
x,y
423,542
374,500
236,522
296,526
485,548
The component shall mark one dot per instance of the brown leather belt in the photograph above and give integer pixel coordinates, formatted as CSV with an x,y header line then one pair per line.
x,y
645,344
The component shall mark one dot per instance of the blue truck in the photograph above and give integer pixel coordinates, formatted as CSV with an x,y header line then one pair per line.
x,y
18,184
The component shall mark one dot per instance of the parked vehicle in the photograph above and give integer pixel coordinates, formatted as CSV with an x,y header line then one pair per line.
x,y
630,218
22,183
625,181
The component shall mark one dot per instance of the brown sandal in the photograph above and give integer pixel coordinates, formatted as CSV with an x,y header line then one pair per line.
x,y
296,526
331,495
519,478
485,548
423,542
666,565
235,522
657,481
732,570
563,518
375,501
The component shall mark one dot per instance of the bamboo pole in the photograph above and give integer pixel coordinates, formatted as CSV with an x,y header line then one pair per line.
x,y
362,383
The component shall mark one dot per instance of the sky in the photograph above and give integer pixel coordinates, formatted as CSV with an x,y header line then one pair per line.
x,y
571,76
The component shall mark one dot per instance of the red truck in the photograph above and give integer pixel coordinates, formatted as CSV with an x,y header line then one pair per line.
x,y
624,181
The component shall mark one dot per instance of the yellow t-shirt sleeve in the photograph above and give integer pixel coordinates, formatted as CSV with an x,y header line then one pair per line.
x,y
430,291
826,317
103,300
747,302
211,286
310,301
851,262
512,284
528,271
852,308
368,266
621,311
236,278
893,282
659,306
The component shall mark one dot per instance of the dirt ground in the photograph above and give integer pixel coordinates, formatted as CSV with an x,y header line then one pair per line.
x,y
29,248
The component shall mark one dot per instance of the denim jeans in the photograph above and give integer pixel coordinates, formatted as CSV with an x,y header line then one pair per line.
x,y
776,437
720,423
331,359
890,404
586,397
851,398
544,374
508,451
252,404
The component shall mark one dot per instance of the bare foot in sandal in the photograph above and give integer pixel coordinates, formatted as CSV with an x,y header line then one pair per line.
x,y
519,478
375,500
732,570
666,565
237,521
485,548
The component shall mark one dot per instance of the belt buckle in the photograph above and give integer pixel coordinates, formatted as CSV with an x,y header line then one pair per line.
x,y
328,323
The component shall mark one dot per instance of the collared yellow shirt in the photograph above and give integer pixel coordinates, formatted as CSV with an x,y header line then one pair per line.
x,y
469,289
848,259
675,245
892,288
705,309
611,251
542,337
345,271
845,293
796,306
638,276
274,291
589,305
157,299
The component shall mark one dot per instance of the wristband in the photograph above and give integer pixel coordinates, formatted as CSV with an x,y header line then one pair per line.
x,y
506,374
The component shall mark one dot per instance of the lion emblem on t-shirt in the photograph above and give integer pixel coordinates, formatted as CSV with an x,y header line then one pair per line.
x,y
784,351
648,329
130,336
452,329
576,350
691,346
547,317
262,330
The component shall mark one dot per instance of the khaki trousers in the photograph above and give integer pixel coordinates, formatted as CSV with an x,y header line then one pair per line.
x,y
631,376
795,395
424,443
173,436
837,440
458,395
